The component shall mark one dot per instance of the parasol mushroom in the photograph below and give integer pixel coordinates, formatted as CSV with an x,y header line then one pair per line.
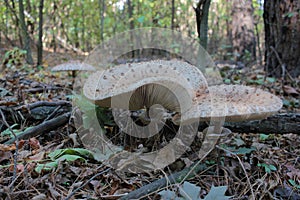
x,y
73,66
147,83
234,102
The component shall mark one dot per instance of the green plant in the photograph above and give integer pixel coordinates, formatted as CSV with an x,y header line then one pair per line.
x,y
68,155
294,184
14,57
267,167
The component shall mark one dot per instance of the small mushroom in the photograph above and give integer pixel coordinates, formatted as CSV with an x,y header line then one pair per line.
x,y
73,66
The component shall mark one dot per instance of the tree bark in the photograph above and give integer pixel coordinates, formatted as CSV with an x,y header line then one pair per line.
x,y
15,20
202,11
40,40
244,42
282,37
102,10
173,15
25,35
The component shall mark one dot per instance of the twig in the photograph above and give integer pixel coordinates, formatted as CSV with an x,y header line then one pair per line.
x,y
241,163
42,89
172,179
283,66
87,182
43,103
16,151
42,128
53,113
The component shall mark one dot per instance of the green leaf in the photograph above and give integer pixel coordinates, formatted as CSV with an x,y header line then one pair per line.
x,y
267,168
272,167
217,193
71,158
239,141
244,150
227,81
263,136
271,79
141,19
294,184
46,167
70,151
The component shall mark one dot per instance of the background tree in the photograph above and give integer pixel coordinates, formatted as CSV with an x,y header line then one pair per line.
x,y
202,11
40,39
243,37
25,35
282,28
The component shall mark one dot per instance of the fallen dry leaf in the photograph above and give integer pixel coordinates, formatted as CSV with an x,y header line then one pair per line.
x,y
4,147
290,90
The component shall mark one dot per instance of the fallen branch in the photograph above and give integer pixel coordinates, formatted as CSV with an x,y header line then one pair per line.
x,y
177,177
42,128
42,89
280,124
43,103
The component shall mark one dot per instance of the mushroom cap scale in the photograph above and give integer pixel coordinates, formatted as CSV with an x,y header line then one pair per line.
x,y
73,66
148,83
234,102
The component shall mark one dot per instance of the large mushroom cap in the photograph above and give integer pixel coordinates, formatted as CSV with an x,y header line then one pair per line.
x,y
148,83
73,66
235,102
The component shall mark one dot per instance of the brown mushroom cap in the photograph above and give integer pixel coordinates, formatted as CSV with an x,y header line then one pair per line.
x,y
235,102
73,66
147,83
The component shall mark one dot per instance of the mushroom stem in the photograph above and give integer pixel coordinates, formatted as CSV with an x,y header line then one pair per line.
x,y
73,74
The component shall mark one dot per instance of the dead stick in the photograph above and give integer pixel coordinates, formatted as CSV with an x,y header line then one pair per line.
x,y
42,89
276,124
43,127
161,183
43,103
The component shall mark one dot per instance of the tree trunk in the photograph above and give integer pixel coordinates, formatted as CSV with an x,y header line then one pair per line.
x,y
131,23
130,14
244,43
202,11
101,12
282,37
40,40
15,20
25,34
83,44
173,15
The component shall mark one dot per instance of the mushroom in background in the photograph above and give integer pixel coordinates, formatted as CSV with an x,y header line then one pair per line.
x,y
73,66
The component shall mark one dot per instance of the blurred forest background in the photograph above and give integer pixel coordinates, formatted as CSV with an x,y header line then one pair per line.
x,y
252,32
253,42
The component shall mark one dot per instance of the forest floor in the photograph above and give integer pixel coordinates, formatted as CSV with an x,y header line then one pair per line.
x,y
54,165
